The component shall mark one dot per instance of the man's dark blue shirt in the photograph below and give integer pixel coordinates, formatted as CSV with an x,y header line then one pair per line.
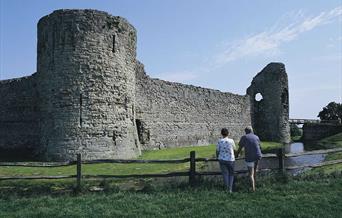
x,y
251,143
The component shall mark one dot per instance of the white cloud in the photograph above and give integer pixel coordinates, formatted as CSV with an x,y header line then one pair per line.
x,y
182,76
270,40
266,43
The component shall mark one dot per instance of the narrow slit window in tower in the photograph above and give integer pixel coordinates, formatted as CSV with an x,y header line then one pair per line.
x,y
81,110
113,44
114,137
140,130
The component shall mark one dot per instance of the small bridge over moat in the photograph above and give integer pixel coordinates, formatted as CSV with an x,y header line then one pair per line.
x,y
302,121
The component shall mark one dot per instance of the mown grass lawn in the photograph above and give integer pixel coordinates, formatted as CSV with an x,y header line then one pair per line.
x,y
51,186
125,169
308,198
311,197
334,141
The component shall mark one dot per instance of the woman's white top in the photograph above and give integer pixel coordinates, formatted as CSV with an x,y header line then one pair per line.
x,y
225,148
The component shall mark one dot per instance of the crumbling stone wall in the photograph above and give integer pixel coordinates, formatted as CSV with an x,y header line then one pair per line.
x,y
18,118
317,131
270,115
91,96
86,77
171,114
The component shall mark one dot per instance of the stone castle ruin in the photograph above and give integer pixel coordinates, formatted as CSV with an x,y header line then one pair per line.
x,y
90,95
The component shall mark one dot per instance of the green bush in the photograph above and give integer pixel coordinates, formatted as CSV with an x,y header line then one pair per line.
x,y
295,130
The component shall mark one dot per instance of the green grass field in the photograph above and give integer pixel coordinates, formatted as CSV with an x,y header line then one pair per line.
x,y
313,195
125,169
297,198
334,141
51,186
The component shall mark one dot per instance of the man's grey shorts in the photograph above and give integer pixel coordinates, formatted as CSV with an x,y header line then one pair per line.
x,y
250,164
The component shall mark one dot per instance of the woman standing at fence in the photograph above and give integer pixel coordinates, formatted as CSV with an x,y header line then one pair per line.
x,y
225,154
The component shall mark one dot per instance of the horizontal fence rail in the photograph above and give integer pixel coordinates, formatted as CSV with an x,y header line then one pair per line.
x,y
220,173
36,177
38,164
239,158
134,161
192,173
152,175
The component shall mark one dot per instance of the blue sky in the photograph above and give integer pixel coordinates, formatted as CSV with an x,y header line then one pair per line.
x,y
219,44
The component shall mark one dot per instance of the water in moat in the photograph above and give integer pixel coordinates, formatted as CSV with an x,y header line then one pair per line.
x,y
272,163
298,147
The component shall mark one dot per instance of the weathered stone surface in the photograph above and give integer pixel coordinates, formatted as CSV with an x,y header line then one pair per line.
x,y
172,114
91,96
18,117
317,131
270,115
86,77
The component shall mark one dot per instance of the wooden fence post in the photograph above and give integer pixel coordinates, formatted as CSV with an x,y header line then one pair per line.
x,y
281,159
79,172
192,172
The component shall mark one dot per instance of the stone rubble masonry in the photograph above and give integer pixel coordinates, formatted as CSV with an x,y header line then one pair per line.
x,y
18,117
317,131
172,114
91,96
86,77
270,115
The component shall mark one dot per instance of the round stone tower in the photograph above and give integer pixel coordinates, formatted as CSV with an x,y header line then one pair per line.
x,y
86,85
270,103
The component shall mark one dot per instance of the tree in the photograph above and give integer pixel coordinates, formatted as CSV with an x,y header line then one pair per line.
x,y
294,130
333,111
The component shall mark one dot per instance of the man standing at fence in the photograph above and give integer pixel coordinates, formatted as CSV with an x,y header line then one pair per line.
x,y
251,143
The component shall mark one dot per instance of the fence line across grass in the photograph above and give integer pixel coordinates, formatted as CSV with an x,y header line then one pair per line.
x,y
191,173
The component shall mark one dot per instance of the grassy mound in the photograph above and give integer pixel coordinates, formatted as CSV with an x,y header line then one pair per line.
x,y
334,141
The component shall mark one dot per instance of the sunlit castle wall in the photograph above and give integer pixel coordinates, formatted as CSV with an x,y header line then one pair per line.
x,y
172,114
86,83
91,96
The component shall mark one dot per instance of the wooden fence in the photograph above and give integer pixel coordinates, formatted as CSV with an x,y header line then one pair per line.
x,y
192,173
